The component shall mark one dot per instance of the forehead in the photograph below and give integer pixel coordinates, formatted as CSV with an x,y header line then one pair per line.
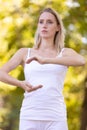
x,y
47,15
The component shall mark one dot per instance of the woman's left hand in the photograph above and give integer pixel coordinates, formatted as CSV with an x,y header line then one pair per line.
x,y
36,58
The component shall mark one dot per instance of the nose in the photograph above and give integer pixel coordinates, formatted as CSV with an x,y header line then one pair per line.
x,y
45,25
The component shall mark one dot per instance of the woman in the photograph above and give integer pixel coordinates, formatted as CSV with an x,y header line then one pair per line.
x,y
45,66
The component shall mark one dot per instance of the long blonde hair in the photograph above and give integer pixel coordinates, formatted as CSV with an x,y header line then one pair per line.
x,y
59,36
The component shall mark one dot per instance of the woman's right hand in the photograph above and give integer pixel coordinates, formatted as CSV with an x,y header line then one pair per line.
x,y
28,87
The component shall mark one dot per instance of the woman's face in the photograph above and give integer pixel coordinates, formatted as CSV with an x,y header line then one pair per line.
x,y
47,25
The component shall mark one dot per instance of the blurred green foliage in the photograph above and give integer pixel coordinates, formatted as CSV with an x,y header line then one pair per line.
x,y
18,22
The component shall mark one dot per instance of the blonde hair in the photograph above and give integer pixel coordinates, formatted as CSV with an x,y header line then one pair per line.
x,y
59,36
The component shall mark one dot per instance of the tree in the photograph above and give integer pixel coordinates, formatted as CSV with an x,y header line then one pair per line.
x,y
17,29
84,108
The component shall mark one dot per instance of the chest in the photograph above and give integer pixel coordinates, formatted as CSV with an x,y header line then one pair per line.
x,y
36,67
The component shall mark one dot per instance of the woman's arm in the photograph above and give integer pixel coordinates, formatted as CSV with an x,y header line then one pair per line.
x,y
16,60
69,58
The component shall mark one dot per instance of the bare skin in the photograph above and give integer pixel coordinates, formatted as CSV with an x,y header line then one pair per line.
x,y
45,54
69,58
18,59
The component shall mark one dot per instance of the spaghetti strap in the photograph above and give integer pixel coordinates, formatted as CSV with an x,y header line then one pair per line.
x,y
60,54
28,54
62,49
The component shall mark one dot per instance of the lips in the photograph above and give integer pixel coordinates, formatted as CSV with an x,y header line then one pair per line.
x,y
44,31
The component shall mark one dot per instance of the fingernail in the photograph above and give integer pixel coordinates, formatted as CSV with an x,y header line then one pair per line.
x,y
41,86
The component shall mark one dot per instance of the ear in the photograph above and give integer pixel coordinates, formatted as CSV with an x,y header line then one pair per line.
x,y
58,28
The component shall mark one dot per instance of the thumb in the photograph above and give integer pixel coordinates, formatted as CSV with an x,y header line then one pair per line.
x,y
29,60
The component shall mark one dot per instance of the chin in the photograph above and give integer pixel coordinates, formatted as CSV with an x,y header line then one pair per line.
x,y
45,36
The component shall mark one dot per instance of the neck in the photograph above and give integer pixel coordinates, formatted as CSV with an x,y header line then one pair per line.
x,y
47,44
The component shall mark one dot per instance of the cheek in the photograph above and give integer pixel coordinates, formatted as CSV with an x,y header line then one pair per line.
x,y
53,30
39,28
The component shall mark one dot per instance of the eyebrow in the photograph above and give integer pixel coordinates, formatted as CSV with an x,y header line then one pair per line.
x,y
47,19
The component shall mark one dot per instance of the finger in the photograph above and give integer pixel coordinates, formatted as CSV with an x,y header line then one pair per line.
x,y
28,87
29,60
37,87
28,84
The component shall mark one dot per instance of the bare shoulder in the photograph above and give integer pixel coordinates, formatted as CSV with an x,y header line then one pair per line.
x,y
68,49
20,55
23,53
23,50
16,59
69,52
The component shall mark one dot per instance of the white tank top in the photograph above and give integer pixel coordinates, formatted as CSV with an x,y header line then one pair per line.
x,y
46,103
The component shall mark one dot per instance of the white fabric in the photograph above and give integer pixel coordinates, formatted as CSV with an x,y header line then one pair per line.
x,y
42,125
46,103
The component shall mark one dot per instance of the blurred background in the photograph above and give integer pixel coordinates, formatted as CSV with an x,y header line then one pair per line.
x,y
18,22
